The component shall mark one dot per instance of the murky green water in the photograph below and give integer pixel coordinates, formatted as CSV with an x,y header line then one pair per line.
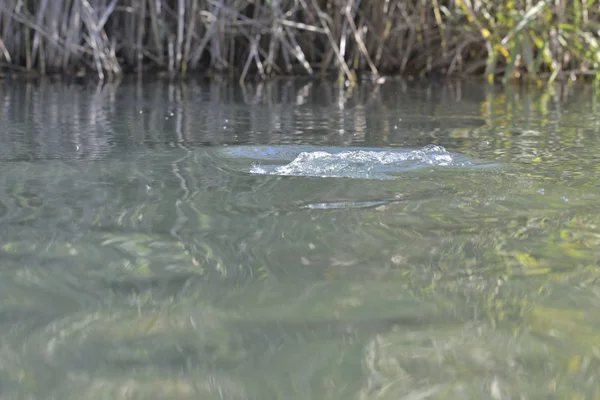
x,y
201,241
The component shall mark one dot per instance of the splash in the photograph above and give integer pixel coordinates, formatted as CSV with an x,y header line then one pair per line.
x,y
355,163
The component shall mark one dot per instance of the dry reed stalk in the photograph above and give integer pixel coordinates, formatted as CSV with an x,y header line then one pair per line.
x,y
267,37
349,13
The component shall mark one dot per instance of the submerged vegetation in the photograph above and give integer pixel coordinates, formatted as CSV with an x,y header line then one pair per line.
x,y
138,262
543,40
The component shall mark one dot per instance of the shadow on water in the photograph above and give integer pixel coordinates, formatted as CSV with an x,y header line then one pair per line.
x,y
289,240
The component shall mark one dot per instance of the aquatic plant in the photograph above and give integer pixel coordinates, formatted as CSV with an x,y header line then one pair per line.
x,y
543,40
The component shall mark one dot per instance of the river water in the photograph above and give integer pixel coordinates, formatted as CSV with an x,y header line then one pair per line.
x,y
293,241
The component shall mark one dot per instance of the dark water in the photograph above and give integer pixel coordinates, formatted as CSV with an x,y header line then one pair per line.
x,y
291,241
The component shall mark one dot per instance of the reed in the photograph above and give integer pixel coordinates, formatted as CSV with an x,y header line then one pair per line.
x,y
543,40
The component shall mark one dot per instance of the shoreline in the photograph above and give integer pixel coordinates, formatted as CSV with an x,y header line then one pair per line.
x,y
564,78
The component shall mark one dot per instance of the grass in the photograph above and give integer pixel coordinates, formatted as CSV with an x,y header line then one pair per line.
x,y
523,39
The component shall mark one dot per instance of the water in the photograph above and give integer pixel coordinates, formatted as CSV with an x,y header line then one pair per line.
x,y
290,241
356,163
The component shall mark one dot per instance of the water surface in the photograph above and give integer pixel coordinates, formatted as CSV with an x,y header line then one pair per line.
x,y
291,241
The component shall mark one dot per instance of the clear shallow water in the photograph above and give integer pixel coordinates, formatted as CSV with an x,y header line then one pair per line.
x,y
201,241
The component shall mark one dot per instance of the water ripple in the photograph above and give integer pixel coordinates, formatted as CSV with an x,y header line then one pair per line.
x,y
337,162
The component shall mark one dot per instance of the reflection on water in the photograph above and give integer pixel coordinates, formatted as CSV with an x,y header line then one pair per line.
x,y
164,241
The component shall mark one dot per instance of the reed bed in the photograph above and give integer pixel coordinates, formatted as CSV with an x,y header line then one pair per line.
x,y
543,40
